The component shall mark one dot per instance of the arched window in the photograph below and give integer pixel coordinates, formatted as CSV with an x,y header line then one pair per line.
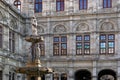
x,y
107,3
38,6
83,4
17,3
60,5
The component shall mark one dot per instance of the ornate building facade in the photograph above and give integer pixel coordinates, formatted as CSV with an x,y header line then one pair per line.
x,y
81,38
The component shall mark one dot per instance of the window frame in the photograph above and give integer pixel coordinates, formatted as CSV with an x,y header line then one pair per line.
x,y
18,4
107,4
107,40
83,5
40,3
82,41
61,5
11,41
60,51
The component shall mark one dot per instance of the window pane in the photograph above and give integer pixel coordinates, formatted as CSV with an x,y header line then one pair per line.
x,y
79,45
111,44
19,7
85,4
36,1
111,37
105,3
64,46
81,4
111,50
40,7
109,3
36,8
102,45
102,37
79,38
56,39
56,46
86,45
62,6
58,6
63,39
87,37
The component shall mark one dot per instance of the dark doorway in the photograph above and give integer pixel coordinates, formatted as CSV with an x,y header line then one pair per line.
x,y
82,75
107,74
32,78
0,75
63,76
43,77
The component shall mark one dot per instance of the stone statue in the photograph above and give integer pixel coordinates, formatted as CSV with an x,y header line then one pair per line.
x,y
34,26
37,50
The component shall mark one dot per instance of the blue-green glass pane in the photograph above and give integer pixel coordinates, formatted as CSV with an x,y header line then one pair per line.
x,y
64,46
79,45
111,44
87,45
102,45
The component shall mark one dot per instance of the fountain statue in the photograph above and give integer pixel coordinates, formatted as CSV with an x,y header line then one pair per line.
x,y
33,69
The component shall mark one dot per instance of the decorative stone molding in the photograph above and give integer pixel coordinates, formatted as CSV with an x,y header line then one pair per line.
x,y
82,27
40,29
59,29
13,24
107,26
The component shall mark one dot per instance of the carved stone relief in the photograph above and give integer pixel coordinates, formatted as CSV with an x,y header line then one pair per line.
x,y
59,29
13,24
107,26
40,29
82,27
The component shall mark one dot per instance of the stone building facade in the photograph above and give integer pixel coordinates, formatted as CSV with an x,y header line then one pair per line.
x,y
79,44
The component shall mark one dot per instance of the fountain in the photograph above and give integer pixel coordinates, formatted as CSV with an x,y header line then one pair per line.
x,y
33,69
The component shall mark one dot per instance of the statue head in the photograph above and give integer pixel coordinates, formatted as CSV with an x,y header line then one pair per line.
x,y
34,21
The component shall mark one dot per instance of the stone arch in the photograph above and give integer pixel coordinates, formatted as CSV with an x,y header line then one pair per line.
x,y
40,29
107,74
59,28
83,74
82,27
103,25
107,26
